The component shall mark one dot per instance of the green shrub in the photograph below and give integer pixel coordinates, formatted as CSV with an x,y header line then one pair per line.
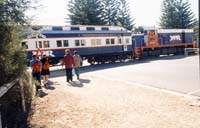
x,y
12,59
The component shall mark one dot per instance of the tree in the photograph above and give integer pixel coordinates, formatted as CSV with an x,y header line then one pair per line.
x,y
196,30
77,12
95,12
12,59
176,14
169,13
138,30
110,11
13,11
100,12
185,16
85,12
124,17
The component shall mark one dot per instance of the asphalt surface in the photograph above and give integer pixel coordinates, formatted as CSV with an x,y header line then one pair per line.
x,y
174,73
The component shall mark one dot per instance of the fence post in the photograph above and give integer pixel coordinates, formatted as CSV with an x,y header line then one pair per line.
x,y
22,95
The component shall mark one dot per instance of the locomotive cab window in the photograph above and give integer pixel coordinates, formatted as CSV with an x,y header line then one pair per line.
x,y
59,43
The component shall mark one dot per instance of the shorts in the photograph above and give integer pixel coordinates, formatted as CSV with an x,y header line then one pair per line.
x,y
45,72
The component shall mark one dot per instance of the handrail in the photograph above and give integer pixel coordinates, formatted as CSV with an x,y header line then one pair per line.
x,y
195,50
6,87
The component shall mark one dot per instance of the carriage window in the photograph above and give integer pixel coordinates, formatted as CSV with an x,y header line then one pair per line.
x,y
95,42
98,41
119,41
77,43
65,43
24,45
90,28
107,41
46,44
75,28
57,28
145,32
127,40
104,28
59,43
82,42
38,44
112,41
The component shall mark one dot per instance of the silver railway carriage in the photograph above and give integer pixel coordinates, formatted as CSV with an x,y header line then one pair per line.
x,y
97,44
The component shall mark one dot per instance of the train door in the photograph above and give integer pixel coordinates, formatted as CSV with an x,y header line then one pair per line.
x,y
125,42
122,41
125,47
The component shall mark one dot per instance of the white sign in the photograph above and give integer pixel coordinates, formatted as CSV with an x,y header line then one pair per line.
x,y
47,53
175,37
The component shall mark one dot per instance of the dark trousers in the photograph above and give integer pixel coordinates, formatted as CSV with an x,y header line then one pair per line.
x,y
69,74
37,77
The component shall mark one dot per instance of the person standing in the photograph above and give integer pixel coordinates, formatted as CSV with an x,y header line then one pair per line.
x,y
45,69
68,61
36,71
77,63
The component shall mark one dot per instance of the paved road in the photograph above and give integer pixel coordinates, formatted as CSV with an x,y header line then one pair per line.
x,y
176,73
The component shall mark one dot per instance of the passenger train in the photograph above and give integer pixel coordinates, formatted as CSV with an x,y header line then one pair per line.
x,y
101,44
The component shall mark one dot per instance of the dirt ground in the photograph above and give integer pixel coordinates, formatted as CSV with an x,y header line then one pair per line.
x,y
95,102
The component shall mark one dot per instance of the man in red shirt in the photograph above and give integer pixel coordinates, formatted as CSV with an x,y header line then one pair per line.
x,y
68,61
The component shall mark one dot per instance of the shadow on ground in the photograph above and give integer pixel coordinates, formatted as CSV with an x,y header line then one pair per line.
x,y
80,83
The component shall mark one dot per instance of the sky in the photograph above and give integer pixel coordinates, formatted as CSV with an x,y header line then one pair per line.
x,y
144,12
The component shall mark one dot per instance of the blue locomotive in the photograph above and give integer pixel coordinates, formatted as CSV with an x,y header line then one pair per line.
x,y
101,44
162,42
